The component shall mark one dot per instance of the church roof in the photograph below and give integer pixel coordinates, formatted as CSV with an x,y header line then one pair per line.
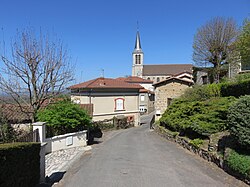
x,y
138,43
105,83
166,69
134,79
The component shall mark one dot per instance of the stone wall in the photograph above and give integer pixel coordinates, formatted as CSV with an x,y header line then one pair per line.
x,y
164,93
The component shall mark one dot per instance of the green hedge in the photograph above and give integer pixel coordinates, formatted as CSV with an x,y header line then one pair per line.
x,y
200,118
202,93
239,121
20,164
236,89
239,163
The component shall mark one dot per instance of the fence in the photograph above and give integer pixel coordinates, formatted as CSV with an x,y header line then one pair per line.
x,y
30,137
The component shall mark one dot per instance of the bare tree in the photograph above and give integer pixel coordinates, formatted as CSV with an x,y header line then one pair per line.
x,y
37,69
212,43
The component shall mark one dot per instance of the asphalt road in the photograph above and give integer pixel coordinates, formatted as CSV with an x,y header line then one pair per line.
x,y
138,157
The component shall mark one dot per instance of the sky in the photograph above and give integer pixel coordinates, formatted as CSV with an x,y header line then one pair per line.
x,y
100,34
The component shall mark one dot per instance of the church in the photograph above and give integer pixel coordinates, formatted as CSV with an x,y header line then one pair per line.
x,y
160,72
169,80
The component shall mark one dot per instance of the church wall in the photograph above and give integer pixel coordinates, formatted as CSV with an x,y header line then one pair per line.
x,y
155,78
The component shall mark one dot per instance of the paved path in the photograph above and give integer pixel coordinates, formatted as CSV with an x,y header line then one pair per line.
x,y
139,157
60,161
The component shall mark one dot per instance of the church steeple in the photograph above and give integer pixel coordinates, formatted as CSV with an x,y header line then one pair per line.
x,y
138,42
137,57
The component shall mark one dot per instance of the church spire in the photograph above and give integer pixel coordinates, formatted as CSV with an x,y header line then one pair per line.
x,y
138,42
137,67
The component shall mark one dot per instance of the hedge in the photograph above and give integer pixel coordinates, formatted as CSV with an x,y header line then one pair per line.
x,y
20,164
239,121
236,89
239,163
197,118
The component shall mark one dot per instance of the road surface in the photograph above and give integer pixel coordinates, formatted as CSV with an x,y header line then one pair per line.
x,y
138,157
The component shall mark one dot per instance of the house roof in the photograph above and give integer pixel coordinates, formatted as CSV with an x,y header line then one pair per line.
x,y
171,79
13,113
134,79
105,83
146,91
183,73
166,69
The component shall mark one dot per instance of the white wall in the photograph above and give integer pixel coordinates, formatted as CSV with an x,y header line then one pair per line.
x,y
66,141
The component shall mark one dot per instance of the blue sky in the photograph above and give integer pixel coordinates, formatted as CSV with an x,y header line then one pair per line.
x,y
100,34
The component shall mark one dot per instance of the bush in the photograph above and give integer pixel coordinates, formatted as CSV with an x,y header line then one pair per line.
x,y
20,164
242,77
239,163
239,121
197,117
202,93
236,89
64,117
196,142
7,133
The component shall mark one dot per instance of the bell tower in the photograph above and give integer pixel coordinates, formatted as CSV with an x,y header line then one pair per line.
x,y
137,57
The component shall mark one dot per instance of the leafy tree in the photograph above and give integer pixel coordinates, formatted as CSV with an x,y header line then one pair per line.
x,y
243,44
212,43
64,117
239,121
37,69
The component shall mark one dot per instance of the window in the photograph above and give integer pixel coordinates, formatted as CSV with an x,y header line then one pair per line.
x,y
204,79
142,97
119,104
137,59
158,79
169,101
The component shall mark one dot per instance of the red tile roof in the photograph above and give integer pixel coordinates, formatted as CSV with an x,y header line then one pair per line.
x,y
13,114
133,79
106,83
146,91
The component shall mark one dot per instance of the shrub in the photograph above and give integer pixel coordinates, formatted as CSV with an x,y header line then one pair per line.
x,y
242,77
239,163
196,142
236,89
197,117
7,133
201,93
64,117
239,121
20,164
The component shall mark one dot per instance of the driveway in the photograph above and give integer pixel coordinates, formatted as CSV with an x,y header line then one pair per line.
x,y
139,157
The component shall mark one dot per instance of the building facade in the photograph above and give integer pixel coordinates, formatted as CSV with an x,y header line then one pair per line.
x,y
146,96
109,98
166,91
